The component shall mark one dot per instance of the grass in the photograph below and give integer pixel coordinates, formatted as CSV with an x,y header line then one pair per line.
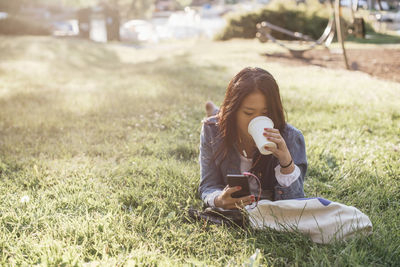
x,y
104,141
377,38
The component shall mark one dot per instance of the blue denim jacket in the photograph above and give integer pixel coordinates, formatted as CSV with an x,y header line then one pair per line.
x,y
214,171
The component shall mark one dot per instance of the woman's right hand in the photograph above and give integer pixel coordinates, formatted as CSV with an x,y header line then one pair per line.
x,y
226,201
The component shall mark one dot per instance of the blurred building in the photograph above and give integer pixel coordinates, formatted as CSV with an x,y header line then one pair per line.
x,y
170,5
100,23
165,5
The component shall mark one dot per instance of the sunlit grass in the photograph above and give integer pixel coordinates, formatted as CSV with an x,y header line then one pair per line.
x,y
103,139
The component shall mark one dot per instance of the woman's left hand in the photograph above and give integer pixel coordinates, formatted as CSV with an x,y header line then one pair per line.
x,y
281,151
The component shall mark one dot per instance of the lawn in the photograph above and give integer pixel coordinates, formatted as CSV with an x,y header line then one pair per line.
x,y
103,140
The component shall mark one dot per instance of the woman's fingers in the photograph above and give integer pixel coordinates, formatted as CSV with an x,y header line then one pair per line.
x,y
245,199
274,136
232,190
275,150
271,134
272,130
279,145
275,140
233,203
272,149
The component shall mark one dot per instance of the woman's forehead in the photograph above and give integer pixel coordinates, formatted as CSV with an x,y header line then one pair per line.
x,y
255,100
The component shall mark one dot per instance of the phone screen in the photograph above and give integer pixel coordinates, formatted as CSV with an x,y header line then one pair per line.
x,y
239,180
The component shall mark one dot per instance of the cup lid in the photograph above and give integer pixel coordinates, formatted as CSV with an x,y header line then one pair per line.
x,y
259,118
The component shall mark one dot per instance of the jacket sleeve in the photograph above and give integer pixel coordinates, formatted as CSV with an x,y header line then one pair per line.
x,y
297,149
211,181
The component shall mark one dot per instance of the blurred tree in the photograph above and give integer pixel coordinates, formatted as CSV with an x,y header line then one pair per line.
x,y
127,9
11,6
140,8
113,20
83,16
184,3
77,3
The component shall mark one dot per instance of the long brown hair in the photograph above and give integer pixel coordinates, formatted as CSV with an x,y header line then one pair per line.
x,y
244,83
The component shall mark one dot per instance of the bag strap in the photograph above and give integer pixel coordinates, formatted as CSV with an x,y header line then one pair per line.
x,y
218,216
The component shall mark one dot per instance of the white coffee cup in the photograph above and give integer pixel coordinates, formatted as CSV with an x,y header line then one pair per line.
x,y
256,130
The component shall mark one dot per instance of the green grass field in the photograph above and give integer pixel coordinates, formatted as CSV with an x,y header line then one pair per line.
x,y
103,139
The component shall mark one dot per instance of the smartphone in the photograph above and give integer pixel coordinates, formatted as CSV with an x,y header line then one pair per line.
x,y
239,180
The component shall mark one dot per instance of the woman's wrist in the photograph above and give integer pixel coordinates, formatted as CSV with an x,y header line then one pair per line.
x,y
217,201
284,166
288,169
286,162
287,165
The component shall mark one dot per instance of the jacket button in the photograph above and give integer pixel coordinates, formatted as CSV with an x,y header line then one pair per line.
x,y
280,192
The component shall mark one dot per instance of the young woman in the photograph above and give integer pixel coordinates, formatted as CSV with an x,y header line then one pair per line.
x,y
227,148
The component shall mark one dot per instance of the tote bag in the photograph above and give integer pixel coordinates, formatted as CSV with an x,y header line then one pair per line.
x,y
322,220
